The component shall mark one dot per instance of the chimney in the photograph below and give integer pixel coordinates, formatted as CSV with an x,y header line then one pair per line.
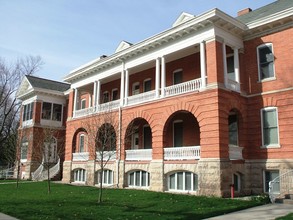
x,y
244,11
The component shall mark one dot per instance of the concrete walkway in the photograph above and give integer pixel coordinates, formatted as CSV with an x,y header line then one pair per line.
x,y
264,212
6,217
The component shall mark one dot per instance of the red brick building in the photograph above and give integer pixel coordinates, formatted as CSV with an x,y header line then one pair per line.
x,y
208,103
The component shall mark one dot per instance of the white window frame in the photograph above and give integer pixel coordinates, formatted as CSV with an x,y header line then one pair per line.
x,y
79,175
140,177
21,155
113,90
81,104
146,80
81,136
262,128
258,63
184,178
135,91
109,176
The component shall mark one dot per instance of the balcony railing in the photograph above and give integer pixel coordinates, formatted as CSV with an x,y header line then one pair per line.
x,y
107,155
108,106
235,153
182,153
141,154
184,87
85,111
81,156
142,97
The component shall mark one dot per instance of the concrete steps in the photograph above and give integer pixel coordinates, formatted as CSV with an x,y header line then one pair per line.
x,y
287,200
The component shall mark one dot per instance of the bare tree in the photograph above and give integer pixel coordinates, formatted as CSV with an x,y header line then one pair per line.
x,y
10,79
102,135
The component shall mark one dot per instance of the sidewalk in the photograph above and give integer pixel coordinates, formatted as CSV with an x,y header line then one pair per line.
x,y
6,217
270,211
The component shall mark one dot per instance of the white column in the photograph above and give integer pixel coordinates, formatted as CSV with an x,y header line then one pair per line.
x,y
163,75
95,95
126,85
122,86
203,72
157,77
236,65
75,101
98,93
225,64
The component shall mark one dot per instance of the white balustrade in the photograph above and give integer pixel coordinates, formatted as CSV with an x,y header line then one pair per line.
x,y
107,155
184,87
233,85
84,112
108,106
235,153
140,154
142,97
182,153
81,156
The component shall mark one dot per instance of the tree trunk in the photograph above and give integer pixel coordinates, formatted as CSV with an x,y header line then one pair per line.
x,y
49,182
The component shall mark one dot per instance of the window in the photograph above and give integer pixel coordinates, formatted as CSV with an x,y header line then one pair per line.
x,y
230,68
28,111
147,85
114,94
135,139
236,182
83,104
135,88
233,129
266,58
270,175
270,131
178,133
46,110
147,137
51,111
105,97
79,175
139,179
177,77
23,151
57,112
183,181
107,177
81,143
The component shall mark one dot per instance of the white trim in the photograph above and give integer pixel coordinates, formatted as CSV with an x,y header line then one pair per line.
x,y
258,63
140,179
183,181
134,92
262,129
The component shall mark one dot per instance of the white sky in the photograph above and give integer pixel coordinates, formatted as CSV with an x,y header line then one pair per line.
x,y
70,33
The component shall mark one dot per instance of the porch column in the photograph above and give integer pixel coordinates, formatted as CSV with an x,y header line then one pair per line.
x,y
157,77
98,93
236,64
122,86
75,101
126,85
163,75
95,95
225,64
203,69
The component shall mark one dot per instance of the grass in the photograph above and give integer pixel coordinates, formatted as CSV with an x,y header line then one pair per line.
x,y
31,201
287,217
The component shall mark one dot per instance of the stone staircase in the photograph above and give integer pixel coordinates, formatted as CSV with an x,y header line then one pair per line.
x,y
288,199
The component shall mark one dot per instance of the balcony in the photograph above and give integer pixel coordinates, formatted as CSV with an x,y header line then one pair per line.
x,y
141,154
107,155
235,152
142,97
182,153
184,87
81,156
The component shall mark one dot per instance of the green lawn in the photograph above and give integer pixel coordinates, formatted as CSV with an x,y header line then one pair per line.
x,y
287,217
31,201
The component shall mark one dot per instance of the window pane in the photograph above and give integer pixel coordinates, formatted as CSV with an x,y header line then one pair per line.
x,y
31,111
266,62
147,85
188,181
144,179
270,136
46,110
178,134
233,129
110,177
230,67
114,95
195,182
57,111
236,182
137,178
172,181
23,153
81,143
131,179
270,128
180,181
177,77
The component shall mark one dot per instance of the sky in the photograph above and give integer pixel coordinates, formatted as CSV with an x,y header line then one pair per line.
x,y
69,33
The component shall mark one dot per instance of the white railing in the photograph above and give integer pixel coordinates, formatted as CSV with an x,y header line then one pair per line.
x,y
81,156
108,106
140,154
142,97
281,186
182,153
7,173
184,87
83,112
55,169
233,85
235,153
38,172
107,155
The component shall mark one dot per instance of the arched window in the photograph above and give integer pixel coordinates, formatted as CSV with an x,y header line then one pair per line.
x,y
183,181
139,178
107,177
79,175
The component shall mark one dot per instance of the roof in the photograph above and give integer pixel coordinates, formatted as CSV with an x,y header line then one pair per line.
x,y
47,84
264,11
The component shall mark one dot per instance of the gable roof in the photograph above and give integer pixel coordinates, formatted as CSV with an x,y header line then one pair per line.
x,y
183,18
123,45
265,11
